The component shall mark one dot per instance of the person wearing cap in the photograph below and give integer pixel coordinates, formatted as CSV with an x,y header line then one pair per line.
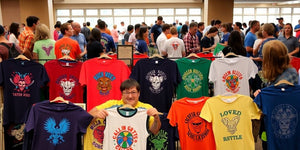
x,y
280,26
297,29
238,27
4,43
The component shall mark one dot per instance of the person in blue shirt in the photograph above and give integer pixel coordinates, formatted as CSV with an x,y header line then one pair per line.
x,y
106,40
251,37
79,37
225,28
200,31
156,29
140,44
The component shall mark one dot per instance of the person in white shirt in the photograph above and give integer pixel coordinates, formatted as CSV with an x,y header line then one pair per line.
x,y
162,38
14,33
132,37
122,32
174,47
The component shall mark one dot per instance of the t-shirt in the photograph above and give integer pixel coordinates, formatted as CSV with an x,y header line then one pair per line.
x,y
207,42
141,46
209,56
94,49
199,34
249,42
132,38
107,42
295,62
80,38
137,57
44,50
125,131
298,32
232,75
57,125
291,43
174,47
156,30
103,78
93,139
280,107
160,42
194,74
231,121
225,38
67,46
64,80
22,80
194,132
158,78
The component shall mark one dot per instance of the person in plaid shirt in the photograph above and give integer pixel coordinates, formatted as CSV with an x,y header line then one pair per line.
x,y
27,36
191,41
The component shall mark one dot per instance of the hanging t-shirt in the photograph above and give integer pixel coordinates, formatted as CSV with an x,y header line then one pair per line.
x,y
194,74
64,80
126,129
194,132
44,50
137,57
231,121
165,138
103,78
158,78
22,80
93,139
280,106
57,125
295,62
232,75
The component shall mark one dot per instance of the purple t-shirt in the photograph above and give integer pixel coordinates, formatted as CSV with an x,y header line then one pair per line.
x,y
22,80
57,125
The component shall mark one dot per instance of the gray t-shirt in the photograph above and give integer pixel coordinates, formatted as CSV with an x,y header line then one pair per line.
x,y
291,43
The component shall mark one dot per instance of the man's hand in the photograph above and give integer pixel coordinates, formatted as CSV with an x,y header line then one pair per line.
x,y
98,113
152,112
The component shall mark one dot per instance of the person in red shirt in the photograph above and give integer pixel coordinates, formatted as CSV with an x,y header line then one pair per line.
x,y
66,45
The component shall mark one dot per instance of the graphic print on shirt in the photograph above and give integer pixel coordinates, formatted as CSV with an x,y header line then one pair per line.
x,y
21,83
47,49
156,78
175,45
56,131
65,49
98,127
104,80
104,42
197,126
192,80
231,124
284,121
125,137
232,79
159,141
17,131
67,84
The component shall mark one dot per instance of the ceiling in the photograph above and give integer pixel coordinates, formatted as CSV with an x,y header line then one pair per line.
x,y
264,1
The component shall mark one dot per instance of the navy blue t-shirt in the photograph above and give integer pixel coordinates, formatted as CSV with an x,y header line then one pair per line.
x,y
107,42
156,30
57,125
199,34
22,80
158,79
281,107
141,46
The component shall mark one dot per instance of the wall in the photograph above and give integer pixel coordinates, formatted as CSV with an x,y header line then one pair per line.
x,y
37,8
10,11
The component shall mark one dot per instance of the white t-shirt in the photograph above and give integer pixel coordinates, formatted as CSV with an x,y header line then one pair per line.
x,y
232,75
122,29
132,38
13,39
257,41
174,47
160,41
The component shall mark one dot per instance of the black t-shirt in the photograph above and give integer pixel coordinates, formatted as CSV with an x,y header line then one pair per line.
x,y
22,80
158,79
207,42
94,49
126,36
156,30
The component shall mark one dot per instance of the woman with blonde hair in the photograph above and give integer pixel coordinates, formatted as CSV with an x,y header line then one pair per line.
x,y
43,49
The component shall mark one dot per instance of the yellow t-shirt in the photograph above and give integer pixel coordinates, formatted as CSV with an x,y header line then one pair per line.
x,y
93,139
231,121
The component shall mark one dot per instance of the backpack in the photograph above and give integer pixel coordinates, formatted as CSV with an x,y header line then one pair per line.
x,y
12,51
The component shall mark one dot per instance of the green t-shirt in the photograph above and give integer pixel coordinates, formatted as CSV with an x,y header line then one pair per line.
x,y
44,50
194,74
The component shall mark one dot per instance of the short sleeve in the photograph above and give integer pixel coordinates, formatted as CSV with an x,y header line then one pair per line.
x,y
172,116
111,42
125,71
84,119
255,112
30,119
177,76
83,76
44,76
145,47
135,71
35,50
253,70
211,75
258,100
206,112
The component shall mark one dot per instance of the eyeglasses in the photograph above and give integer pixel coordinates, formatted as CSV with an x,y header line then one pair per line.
x,y
132,93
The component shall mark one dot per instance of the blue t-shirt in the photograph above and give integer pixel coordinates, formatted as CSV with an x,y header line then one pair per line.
x,y
249,41
80,38
60,36
262,45
107,42
199,34
141,46
297,26
225,38
156,30
282,115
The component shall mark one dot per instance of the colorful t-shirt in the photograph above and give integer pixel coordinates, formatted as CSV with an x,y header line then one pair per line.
x,y
281,108
57,125
194,74
158,78
64,80
22,81
194,132
126,129
231,121
232,75
44,50
103,78
67,46
107,42
93,139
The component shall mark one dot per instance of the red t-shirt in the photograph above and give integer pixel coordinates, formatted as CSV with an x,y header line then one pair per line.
x,y
295,62
194,132
64,80
103,78
208,56
137,57
67,46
